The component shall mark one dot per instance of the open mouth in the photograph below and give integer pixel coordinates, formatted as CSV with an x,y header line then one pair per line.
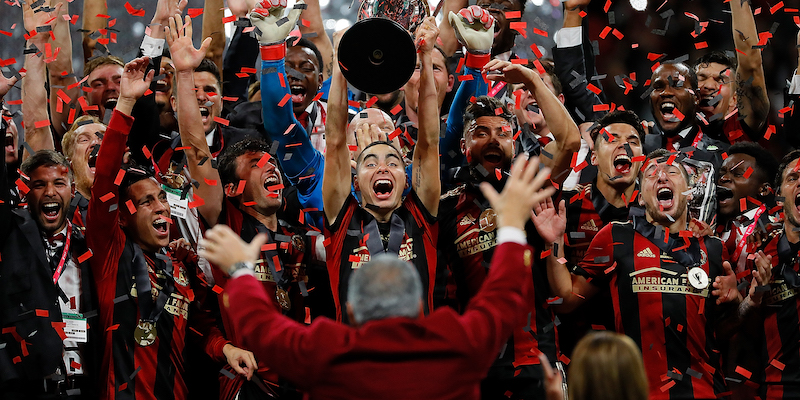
x,y
161,226
298,93
383,189
493,155
533,107
270,183
797,202
92,160
51,210
665,198
110,103
668,110
162,86
724,194
622,164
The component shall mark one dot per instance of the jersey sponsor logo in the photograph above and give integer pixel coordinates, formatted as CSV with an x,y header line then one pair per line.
x,y
647,253
473,245
263,274
659,280
780,291
177,305
406,253
590,226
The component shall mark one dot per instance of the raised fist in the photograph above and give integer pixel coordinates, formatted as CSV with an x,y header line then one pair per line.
x,y
272,26
474,27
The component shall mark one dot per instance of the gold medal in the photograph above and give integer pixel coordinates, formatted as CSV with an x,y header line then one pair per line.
x,y
283,299
297,243
145,333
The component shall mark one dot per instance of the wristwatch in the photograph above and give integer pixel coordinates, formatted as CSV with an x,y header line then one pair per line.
x,y
241,265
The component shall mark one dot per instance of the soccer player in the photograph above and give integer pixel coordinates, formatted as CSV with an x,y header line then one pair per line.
x,y
660,278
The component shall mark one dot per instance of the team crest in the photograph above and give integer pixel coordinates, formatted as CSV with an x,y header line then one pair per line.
x,y
180,277
488,220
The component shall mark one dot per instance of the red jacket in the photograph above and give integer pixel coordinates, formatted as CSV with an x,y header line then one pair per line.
x,y
442,356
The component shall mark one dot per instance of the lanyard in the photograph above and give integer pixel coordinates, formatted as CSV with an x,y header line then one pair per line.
x,y
62,262
747,232
496,89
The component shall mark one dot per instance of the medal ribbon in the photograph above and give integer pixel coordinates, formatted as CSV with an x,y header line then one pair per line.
x,y
150,310
64,254
747,232
396,233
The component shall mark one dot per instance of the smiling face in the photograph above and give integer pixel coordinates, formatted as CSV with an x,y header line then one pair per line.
x,y
209,98
614,150
714,89
164,85
49,197
82,155
672,91
503,34
381,178
662,192
732,184
262,183
305,85
149,226
790,191
104,81
489,141
11,140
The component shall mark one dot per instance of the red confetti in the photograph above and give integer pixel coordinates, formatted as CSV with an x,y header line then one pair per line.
x,y
85,256
106,197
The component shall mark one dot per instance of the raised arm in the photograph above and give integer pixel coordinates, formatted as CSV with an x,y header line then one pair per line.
x,y
551,224
315,32
426,178
91,24
477,37
5,184
450,42
37,123
336,177
563,128
104,204
213,11
186,58
62,75
751,87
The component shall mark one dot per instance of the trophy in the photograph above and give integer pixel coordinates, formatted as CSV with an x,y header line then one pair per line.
x,y
377,54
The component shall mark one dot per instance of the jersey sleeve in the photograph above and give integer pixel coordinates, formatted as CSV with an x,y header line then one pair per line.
x,y
103,214
597,264
301,162
450,143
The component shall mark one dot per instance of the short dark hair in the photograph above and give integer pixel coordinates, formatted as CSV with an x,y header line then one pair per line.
x,y
96,62
618,117
715,57
485,106
766,164
226,163
133,173
303,42
45,158
787,159
691,75
208,66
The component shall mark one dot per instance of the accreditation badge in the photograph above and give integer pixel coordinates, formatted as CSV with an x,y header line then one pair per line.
x,y
145,333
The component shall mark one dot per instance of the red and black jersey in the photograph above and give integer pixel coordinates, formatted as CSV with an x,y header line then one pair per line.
x,y
413,236
154,371
673,322
467,238
588,211
778,342
285,262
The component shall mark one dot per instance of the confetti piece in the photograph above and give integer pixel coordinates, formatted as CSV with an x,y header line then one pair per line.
x,y
85,256
42,313
288,97
777,364
106,197
223,121
217,289
41,124
194,12
743,372
231,18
